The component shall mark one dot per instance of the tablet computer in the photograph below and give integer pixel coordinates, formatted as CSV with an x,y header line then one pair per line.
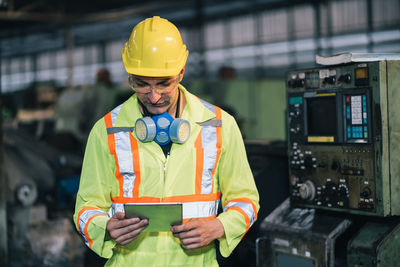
x,y
161,216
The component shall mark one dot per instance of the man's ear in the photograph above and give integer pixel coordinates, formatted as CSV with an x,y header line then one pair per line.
x,y
181,73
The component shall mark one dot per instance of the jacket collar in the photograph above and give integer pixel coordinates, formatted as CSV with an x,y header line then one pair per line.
x,y
195,111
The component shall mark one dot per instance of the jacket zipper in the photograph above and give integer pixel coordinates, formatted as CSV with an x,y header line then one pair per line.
x,y
164,174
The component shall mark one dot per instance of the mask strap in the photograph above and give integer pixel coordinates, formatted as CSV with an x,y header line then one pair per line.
x,y
178,104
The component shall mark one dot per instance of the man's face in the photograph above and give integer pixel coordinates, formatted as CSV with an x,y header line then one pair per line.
x,y
157,94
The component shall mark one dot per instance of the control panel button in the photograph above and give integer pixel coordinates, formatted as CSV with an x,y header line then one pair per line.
x,y
366,193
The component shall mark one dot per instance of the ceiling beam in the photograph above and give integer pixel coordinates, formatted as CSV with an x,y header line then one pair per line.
x,y
36,17
49,17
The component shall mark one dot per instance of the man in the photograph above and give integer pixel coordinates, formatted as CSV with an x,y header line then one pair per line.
x,y
198,169
96,101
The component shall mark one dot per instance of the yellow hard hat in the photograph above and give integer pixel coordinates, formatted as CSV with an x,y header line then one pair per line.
x,y
154,49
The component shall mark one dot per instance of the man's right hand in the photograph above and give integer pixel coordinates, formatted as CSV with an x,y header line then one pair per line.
x,y
123,230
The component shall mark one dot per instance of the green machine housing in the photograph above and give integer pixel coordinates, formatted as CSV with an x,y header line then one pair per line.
x,y
376,244
344,137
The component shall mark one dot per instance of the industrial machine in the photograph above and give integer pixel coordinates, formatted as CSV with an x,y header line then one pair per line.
x,y
343,123
301,238
344,130
306,237
375,244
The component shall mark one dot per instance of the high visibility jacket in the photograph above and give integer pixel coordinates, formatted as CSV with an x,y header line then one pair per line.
x,y
210,167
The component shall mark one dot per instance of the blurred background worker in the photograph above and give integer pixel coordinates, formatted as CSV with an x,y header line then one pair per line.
x,y
164,145
97,100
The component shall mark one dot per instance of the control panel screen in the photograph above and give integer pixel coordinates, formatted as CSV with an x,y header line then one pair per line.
x,y
356,117
321,116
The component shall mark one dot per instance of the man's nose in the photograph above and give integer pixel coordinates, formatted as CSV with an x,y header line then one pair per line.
x,y
154,96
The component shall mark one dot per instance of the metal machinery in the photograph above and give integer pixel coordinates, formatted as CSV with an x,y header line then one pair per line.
x,y
299,237
343,145
343,138
375,244
39,228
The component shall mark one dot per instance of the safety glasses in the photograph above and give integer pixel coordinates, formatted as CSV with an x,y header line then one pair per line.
x,y
161,86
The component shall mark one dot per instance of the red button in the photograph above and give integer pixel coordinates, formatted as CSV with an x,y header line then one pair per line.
x,y
347,99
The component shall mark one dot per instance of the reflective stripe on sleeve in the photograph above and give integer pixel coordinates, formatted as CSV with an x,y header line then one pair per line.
x,y
116,207
83,222
246,207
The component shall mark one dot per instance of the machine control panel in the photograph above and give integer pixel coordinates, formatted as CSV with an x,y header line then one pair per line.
x,y
340,177
335,138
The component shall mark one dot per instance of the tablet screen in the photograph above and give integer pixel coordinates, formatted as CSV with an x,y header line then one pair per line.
x,y
161,216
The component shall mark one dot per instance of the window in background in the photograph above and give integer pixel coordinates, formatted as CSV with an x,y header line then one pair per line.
x,y
348,16
242,30
61,66
385,13
191,37
214,35
274,26
304,24
113,50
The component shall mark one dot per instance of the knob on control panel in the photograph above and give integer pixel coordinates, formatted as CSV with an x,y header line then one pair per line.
x,y
330,80
366,193
346,78
307,190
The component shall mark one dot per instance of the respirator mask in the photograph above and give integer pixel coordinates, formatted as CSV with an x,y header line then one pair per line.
x,y
163,129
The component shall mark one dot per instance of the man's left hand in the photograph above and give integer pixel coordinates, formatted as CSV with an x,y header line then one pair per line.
x,y
198,232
